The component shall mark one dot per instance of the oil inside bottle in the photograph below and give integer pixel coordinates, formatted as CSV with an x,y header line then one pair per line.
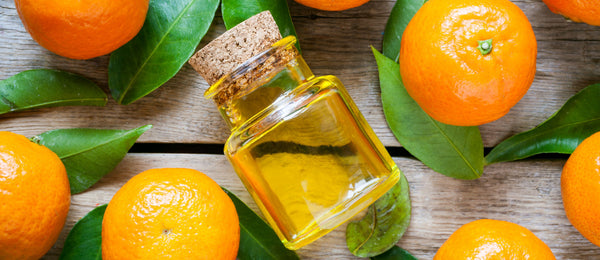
x,y
309,158
298,143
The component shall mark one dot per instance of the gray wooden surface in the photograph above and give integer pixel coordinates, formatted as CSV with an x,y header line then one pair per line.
x,y
526,192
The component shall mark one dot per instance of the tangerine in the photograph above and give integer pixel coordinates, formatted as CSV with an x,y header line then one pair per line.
x,y
493,239
170,213
475,60
332,5
580,188
82,29
34,197
586,11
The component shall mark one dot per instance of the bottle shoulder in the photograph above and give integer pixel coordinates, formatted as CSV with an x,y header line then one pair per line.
x,y
332,79
285,108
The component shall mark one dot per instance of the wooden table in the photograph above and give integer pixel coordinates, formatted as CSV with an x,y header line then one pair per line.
x,y
188,131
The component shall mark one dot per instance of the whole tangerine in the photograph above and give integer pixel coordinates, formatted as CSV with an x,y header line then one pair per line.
x,y
467,62
493,239
34,197
580,188
586,11
332,5
82,29
173,213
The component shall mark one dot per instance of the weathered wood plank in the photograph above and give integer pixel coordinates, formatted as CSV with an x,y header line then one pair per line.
x,y
337,43
527,193
333,43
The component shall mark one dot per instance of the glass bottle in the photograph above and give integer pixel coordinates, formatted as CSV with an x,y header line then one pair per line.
x,y
299,144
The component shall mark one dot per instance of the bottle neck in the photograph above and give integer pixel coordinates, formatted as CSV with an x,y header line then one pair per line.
x,y
259,82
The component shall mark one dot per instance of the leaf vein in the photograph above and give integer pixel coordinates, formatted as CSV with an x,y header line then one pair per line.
x,y
453,145
260,244
167,32
371,233
95,146
528,137
55,102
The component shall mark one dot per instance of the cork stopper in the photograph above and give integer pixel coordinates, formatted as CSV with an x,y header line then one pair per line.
x,y
234,47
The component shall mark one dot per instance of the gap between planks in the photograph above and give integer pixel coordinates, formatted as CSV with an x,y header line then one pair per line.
x,y
525,192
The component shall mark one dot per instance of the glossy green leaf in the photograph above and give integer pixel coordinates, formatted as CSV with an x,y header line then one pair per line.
x,y
237,11
576,120
396,253
172,31
85,239
48,88
402,13
89,154
386,221
454,151
257,239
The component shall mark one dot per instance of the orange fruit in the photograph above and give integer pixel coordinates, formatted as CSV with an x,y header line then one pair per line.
x,y
332,5
580,188
34,197
170,213
82,29
467,62
586,11
493,239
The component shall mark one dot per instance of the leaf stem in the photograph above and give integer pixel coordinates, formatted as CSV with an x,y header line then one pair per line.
x,y
485,46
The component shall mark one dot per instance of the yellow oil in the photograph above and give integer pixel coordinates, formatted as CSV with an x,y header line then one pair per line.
x,y
312,164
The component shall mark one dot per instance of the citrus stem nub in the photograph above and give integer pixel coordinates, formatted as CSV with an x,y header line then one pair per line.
x,y
485,46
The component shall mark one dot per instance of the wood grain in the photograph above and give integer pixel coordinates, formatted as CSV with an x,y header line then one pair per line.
x,y
526,193
333,43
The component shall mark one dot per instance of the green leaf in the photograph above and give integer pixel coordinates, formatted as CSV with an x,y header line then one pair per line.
x,y
257,239
89,154
402,13
454,151
172,31
85,239
48,88
237,11
396,253
386,221
576,120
